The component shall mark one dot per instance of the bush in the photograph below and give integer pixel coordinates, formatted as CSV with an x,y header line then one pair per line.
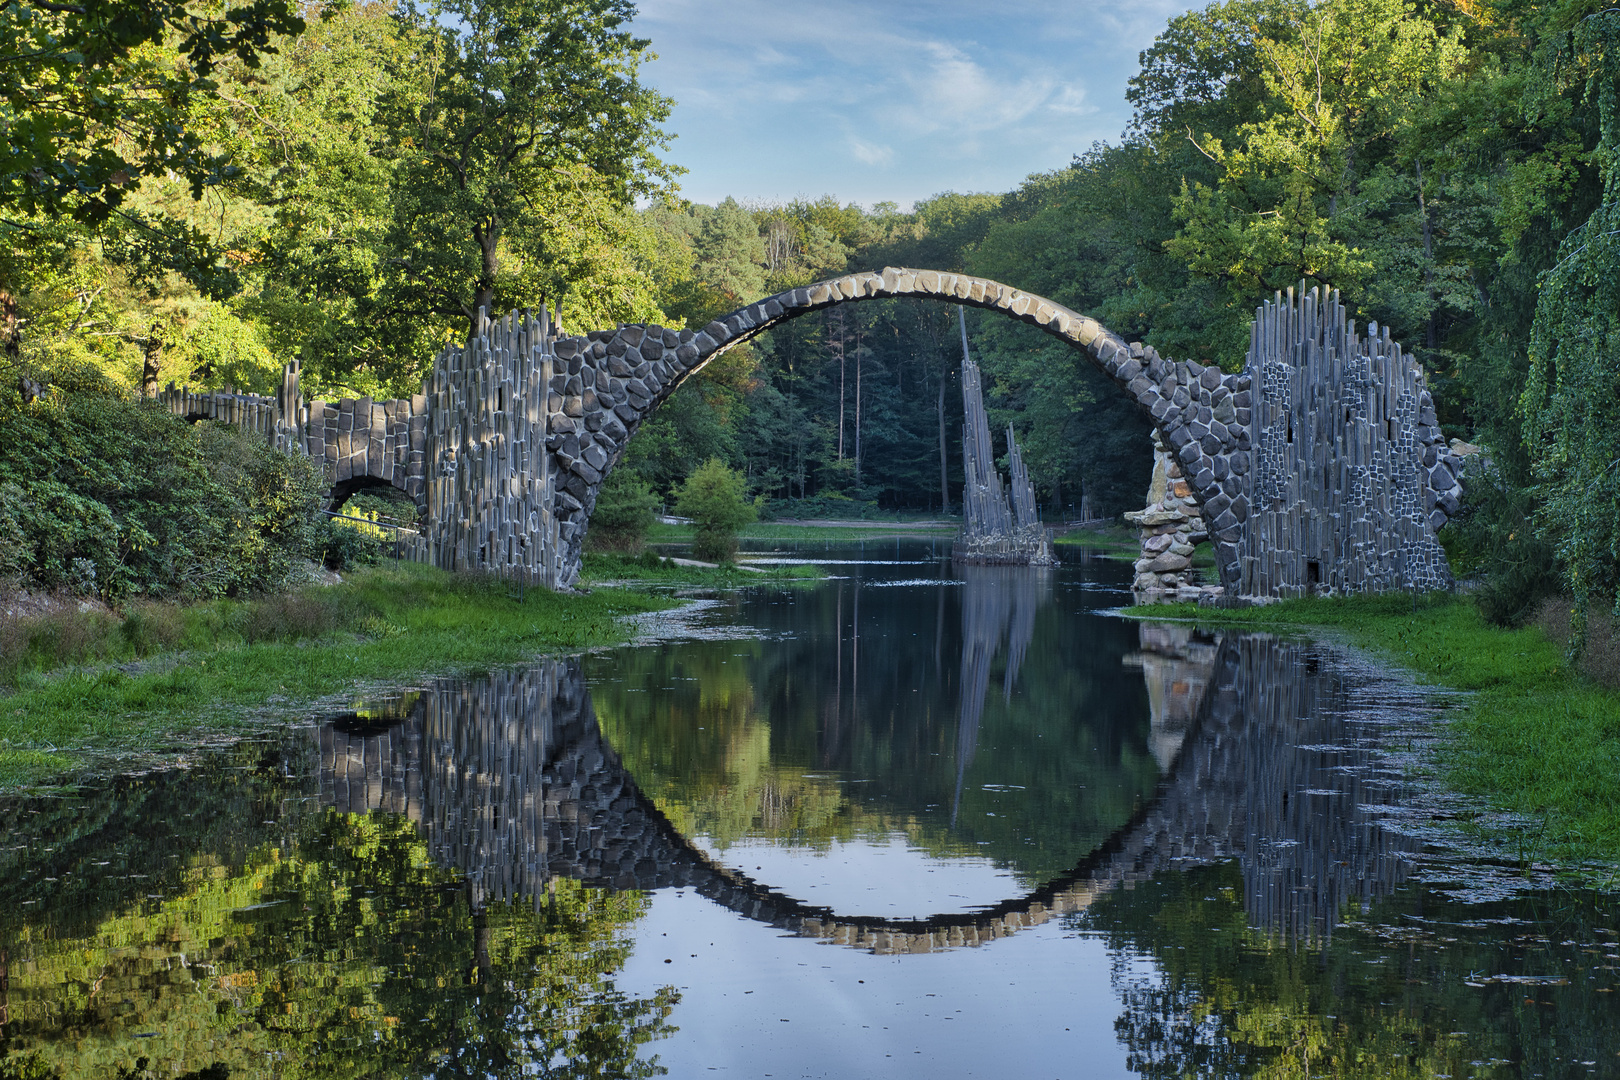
x,y
713,498
623,514
1494,540
273,501
386,506
343,546
120,498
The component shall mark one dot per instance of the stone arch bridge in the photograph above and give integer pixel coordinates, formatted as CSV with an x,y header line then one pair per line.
x,y
1319,466
512,784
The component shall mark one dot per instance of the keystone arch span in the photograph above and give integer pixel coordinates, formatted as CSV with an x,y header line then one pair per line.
x,y
1320,464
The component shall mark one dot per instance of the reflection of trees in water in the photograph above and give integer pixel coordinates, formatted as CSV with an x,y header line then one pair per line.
x,y
1424,987
517,785
999,604
325,944
732,747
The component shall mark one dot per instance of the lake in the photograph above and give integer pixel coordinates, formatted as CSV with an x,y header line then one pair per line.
x,y
911,821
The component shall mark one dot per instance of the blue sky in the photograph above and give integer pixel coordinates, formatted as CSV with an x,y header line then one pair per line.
x,y
878,100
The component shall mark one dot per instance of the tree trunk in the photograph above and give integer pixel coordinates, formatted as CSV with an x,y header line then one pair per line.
x,y
1431,337
944,466
10,330
151,361
857,405
840,349
488,238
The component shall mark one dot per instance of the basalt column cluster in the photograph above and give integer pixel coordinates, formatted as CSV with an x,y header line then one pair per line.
x,y
997,528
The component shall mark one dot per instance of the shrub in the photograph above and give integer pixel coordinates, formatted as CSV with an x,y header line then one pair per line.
x,y
118,497
386,506
342,547
713,498
1494,540
623,514
273,501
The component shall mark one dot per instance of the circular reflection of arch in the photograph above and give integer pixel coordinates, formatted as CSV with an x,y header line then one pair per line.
x,y
512,783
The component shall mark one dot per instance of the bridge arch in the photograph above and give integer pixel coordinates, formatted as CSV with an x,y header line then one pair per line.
x,y
620,376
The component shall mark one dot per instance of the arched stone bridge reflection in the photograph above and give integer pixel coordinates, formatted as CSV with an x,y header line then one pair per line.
x,y
513,783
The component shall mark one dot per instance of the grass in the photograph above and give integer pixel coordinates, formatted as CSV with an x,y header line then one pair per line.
x,y
650,569
1534,737
1122,541
770,530
219,668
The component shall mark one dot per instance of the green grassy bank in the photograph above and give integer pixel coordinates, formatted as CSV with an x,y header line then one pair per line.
x,y
93,688
1121,541
771,530
649,569
1534,736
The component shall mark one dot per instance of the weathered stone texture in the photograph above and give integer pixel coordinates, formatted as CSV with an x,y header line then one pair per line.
x,y
1318,468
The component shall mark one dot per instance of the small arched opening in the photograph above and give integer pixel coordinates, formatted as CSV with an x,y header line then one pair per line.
x,y
373,495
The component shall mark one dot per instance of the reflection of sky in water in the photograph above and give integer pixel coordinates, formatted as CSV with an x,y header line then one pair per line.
x,y
882,876
755,1002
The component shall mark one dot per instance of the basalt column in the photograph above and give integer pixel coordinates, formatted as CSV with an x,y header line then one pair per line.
x,y
996,529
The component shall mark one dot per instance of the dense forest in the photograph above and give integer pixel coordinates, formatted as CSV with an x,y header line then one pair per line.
x,y
197,195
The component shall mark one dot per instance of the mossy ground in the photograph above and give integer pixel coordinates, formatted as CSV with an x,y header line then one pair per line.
x,y
1534,736
650,569
220,668
770,530
1121,541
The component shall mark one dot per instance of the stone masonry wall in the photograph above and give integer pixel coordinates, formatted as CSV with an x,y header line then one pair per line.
x,y
1172,526
1321,458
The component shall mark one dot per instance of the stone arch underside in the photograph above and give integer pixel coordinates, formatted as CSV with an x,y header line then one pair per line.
x,y
1201,412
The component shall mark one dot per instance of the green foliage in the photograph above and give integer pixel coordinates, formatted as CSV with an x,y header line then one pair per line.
x,y
1572,419
93,96
118,498
344,547
1495,539
714,498
387,506
623,514
523,122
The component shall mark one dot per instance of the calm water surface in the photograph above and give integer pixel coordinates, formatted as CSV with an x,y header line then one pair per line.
x,y
912,821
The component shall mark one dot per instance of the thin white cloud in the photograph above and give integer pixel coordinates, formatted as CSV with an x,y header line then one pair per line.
x,y
1073,101
868,154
